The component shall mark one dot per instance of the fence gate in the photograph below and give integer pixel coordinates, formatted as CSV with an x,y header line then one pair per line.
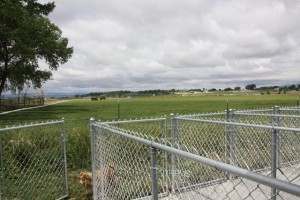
x,y
33,161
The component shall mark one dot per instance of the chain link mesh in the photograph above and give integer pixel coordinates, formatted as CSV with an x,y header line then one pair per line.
x,y
287,116
155,128
33,164
122,166
230,188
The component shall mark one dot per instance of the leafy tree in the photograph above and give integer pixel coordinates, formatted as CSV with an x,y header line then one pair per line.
x,y
28,37
212,90
267,88
237,88
283,89
250,87
292,87
228,89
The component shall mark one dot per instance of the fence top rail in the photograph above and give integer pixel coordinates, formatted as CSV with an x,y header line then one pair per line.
x,y
247,111
267,115
203,114
283,108
291,109
271,182
31,125
241,124
255,110
135,120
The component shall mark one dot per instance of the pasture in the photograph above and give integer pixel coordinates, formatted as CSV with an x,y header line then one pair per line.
x,y
78,111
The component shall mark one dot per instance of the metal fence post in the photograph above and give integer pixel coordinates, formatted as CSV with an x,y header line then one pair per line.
x,y
230,139
164,136
174,138
118,109
298,107
63,138
275,150
227,138
92,137
154,173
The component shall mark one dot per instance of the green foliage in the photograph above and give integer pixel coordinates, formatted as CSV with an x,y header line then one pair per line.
x,y
126,93
250,87
292,87
268,88
28,37
237,88
212,90
228,89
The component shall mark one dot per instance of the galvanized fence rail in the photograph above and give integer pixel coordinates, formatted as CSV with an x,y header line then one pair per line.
x,y
199,156
286,116
33,161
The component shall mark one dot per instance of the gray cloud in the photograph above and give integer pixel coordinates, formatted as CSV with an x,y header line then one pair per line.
x,y
134,44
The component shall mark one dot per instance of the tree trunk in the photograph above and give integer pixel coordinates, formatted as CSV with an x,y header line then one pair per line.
x,y
2,83
4,73
3,79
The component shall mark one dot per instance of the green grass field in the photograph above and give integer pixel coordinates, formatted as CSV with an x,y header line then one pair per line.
x,y
77,113
83,109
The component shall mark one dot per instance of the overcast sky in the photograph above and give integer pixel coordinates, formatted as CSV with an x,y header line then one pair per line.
x,y
152,44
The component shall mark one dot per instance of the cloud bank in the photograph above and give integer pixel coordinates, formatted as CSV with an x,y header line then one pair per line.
x,y
138,44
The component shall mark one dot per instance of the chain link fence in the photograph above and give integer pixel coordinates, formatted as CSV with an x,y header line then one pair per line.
x,y
285,116
33,161
22,102
200,156
124,163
